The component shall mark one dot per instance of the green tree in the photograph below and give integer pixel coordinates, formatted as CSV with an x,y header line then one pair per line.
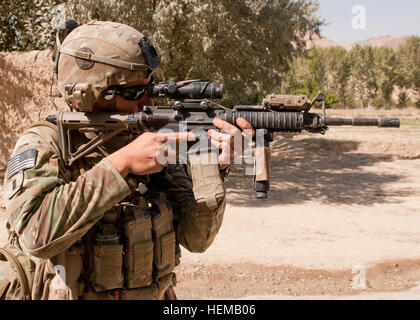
x,y
339,67
12,15
309,74
409,60
27,25
386,73
363,73
366,75
403,99
244,44
302,76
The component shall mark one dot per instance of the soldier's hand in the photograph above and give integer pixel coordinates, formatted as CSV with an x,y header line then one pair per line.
x,y
141,156
231,139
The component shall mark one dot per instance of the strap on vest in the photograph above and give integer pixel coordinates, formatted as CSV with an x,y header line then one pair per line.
x,y
43,123
166,287
23,280
4,285
208,186
170,294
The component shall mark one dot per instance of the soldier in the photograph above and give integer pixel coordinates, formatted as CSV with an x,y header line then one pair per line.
x,y
89,221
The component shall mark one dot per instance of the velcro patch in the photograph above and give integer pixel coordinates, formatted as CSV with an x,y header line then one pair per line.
x,y
23,161
13,185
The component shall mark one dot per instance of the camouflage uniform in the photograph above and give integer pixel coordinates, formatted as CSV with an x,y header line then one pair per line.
x,y
63,205
112,242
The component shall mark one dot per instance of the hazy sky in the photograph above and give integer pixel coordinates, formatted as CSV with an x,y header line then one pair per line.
x,y
383,17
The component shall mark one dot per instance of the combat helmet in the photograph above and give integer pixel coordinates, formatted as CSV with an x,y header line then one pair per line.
x,y
99,55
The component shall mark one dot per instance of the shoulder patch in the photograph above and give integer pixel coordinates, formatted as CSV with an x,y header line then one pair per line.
x,y
23,161
13,185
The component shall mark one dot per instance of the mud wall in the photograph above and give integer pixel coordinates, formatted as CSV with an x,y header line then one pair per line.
x,y
25,82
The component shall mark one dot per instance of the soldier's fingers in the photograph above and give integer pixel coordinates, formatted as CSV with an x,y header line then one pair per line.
x,y
248,130
235,143
225,126
175,136
219,144
165,156
213,134
216,143
226,156
172,156
162,156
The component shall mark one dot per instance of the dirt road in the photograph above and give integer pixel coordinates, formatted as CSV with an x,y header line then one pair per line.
x,y
350,198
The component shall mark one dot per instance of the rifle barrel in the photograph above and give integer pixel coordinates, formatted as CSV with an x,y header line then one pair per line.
x,y
363,122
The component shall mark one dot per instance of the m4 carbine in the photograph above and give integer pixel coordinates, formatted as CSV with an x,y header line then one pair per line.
x,y
190,110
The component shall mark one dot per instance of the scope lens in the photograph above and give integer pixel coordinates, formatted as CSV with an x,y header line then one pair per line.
x,y
216,91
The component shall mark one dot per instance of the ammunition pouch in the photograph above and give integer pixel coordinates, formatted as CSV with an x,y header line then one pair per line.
x,y
162,289
158,290
107,267
141,264
208,186
107,259
163,236
138,257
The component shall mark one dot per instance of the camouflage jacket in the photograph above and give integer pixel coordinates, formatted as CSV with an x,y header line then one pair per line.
x,y
52,207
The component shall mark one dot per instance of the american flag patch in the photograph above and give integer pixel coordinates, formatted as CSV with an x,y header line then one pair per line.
x,y
22,161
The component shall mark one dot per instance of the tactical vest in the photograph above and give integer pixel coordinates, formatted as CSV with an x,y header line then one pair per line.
x,y
131,252
132,247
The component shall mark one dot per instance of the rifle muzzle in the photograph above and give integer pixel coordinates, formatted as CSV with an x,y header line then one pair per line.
x,y
382,122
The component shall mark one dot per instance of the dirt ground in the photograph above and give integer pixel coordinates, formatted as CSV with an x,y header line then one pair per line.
x,y
349,198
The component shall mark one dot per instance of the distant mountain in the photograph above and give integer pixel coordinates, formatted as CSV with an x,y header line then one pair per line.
x,y
384,41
